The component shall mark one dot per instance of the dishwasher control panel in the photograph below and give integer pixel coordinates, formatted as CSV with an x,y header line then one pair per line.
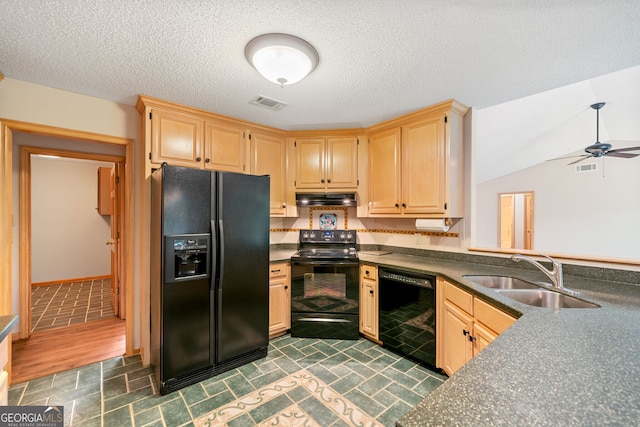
x,y
417,280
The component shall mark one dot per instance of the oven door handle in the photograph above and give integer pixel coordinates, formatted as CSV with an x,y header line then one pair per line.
x,y
325,262
322,319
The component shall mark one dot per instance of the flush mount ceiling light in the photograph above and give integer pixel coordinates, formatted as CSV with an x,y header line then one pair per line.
x,y
281,58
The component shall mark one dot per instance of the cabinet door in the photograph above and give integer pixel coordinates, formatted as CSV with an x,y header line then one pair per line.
x,y
224,147
268,157
369,308
310,166
423,166
457,329
176,138
342,163
384,172
279,299
483,337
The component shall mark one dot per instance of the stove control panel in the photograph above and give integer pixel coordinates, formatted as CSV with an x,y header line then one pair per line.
x,y
328,236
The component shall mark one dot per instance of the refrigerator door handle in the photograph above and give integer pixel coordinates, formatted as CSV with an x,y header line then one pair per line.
x,y
221,246
213,257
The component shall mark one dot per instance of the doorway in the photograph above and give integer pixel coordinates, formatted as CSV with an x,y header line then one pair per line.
x,y
515,220
9,169
74,238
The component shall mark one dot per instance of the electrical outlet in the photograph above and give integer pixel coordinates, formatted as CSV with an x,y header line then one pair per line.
x,y
419,238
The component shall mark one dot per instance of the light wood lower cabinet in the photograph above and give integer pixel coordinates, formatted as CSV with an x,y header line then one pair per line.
x,y
279,299
466,325
369,301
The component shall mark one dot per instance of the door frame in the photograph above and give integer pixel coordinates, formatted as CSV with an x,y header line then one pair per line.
x,y
25,217
7,127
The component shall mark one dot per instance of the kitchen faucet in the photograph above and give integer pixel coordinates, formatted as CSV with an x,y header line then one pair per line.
x,y
555,274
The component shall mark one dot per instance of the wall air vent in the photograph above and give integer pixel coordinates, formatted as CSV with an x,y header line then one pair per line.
x,y
270,103
589,167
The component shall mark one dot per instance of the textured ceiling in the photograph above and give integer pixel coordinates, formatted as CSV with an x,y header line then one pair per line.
x,y
378,59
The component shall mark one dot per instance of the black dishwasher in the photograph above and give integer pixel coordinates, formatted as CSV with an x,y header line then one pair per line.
x,y
407,303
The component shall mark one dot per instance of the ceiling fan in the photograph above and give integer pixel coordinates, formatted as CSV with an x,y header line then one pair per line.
x,y
600,149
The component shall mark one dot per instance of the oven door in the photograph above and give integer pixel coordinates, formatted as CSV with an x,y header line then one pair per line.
x,y
324,299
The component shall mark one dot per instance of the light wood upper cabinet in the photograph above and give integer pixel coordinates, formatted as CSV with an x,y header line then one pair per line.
x,y
310,157
416,164
268,157
225,146
423,171
176,138
326,163
466,325
384,172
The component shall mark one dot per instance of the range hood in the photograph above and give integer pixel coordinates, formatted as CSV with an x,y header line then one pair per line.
x,y
326,199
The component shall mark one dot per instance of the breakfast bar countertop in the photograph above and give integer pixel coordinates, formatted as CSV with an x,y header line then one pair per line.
x,y
6,323
551,367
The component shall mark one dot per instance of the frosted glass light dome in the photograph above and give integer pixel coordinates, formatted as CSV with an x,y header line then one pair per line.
x,y
281,58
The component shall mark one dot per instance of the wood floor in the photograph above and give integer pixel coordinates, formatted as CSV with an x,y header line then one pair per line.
x,y
56,350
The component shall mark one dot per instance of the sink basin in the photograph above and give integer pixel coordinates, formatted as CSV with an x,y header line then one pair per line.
x,y
501,282
545,298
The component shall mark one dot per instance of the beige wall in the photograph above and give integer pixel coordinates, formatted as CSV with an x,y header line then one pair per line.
x,y
28,102
68,234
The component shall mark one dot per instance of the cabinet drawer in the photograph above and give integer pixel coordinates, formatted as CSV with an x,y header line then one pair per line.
x,y
369,272
277,270
457,296
492,317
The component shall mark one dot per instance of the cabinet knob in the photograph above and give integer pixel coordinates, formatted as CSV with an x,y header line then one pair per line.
x,y
397,205
207,160
284,205
371,292
404,205
465,332
286,287
275,271
322,180
329,181
367,272
198,159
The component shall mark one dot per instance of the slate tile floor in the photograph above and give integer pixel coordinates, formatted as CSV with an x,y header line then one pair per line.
x,y
70,303
120,392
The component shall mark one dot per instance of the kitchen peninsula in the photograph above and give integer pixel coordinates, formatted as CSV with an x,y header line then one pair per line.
x,y
562,367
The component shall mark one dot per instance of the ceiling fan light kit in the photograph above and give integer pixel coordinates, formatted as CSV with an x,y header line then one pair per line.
x,y
281,58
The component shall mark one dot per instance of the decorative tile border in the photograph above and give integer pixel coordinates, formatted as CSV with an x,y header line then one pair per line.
x,y
292,415
375,230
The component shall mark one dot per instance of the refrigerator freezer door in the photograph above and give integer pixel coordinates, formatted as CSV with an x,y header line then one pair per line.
x,y
241,208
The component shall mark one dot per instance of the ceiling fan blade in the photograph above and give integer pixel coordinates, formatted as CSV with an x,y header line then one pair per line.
x,y
585,157
567,157
617,150
616,153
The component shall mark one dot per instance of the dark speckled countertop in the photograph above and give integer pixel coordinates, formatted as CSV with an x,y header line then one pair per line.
x,y
6,323
562,367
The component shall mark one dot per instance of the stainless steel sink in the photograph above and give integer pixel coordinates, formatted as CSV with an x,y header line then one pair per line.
x,y
501,282
545,298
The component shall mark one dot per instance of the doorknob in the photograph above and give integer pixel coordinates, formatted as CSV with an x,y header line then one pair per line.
x,y
110,242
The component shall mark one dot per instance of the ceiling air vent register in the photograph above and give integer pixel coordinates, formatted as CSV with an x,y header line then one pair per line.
x,y
270,103
589,167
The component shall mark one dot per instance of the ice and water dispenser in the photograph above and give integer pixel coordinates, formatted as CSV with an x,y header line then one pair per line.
x,y
187,257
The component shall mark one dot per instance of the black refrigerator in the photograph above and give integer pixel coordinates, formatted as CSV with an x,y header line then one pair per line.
x,y
209,273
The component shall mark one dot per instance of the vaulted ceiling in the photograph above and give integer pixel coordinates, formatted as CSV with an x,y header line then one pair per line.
x,y
378,59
